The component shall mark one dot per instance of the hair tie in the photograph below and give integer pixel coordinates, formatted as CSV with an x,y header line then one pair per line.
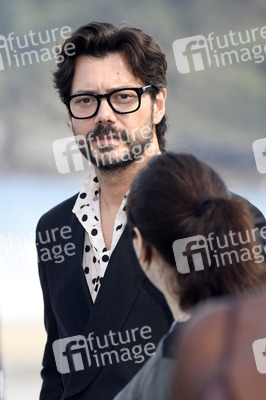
x,y
203,203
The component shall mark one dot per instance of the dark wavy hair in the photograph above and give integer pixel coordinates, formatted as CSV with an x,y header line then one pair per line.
x,y
98,39
164,204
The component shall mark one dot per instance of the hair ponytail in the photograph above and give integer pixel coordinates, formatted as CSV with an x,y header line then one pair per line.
x,y
177,196
235,250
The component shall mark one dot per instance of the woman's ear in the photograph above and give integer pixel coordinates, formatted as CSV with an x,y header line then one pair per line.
x,y
159,106
138,244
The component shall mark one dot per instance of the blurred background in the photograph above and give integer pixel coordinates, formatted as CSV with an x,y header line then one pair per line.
x,y
216,113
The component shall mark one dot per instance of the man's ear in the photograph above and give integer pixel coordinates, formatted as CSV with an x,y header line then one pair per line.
x,y
159,106
69,119
138,244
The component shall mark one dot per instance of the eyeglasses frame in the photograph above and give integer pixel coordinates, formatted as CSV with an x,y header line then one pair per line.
x,y
98,97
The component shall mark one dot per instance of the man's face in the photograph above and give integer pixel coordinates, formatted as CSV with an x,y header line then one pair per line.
x,y
114,140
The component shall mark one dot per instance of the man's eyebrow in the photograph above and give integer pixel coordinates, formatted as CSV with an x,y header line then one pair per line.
x,y
108,91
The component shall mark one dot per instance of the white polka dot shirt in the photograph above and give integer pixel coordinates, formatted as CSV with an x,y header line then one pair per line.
x,y
96,256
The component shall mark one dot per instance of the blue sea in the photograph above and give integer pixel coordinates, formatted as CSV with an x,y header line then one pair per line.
x,y
24,198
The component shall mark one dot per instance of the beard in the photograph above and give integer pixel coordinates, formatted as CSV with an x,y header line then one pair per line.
x,y
108,158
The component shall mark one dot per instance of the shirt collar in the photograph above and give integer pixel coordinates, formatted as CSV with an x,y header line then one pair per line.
x,y
87,208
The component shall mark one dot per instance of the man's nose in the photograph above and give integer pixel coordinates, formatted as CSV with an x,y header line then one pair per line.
x,y
105,114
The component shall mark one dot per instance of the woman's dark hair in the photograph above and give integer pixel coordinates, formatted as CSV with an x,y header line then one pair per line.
x,y
98,39
177,196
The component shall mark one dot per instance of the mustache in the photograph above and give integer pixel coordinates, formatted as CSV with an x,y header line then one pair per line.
x,y
102,131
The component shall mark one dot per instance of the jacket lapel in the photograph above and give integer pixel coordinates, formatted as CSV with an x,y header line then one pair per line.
x,y
77,303
119,289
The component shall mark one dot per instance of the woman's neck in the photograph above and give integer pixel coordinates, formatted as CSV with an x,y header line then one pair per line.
x,y
173,303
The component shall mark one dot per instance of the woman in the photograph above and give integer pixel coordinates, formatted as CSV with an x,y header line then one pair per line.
x,y
233,365
177,197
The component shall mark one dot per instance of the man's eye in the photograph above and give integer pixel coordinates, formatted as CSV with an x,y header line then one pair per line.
x,y
124,96
84,100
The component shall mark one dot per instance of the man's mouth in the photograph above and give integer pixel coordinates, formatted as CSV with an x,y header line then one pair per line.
x,y
106,137
107,140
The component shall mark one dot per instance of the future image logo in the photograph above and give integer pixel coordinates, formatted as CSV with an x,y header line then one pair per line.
x,y
74,153
191,254
33,47
259,150
197,253
78,353
68,154
259,350
191,54
71,354
199,52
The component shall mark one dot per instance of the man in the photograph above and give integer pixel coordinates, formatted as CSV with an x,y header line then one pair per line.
x,y
102,316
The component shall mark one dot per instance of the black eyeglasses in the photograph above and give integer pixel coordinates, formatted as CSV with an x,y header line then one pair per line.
x,y
122,101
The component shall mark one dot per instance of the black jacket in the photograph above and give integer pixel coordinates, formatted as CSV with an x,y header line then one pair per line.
x,y
126,301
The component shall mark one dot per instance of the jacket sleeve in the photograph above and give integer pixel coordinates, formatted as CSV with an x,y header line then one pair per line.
x,y
52,386
153,381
